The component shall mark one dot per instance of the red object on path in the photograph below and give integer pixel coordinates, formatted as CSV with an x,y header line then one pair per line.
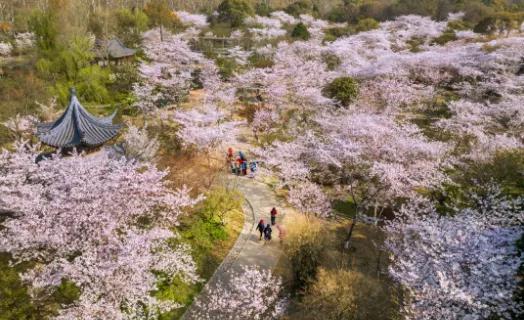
x,y
230,152
273,216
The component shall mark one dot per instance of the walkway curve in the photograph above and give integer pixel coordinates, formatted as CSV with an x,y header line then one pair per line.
x,y
247,250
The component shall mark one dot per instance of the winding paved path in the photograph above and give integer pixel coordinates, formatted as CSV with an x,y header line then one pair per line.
x,y
248,250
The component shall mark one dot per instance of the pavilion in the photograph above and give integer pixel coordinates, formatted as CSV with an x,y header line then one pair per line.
x,y
76,127
113,51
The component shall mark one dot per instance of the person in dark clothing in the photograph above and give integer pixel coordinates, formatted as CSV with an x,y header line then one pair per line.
x,y
260,227
243,166
273,216
238,166
242,156
267,232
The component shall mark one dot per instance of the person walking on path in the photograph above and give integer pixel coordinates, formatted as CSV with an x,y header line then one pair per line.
x,y
238,166
267,233
252,169
261,227
281,233
230,154
273,216
241,156
244,167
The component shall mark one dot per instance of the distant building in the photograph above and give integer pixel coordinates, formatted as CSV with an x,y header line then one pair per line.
x,y
76,127
107,51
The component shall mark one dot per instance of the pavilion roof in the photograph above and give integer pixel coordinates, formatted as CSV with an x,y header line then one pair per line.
x,y
113,48
76,127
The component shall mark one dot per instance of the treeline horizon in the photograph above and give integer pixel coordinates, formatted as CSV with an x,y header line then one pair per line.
x,y
16,12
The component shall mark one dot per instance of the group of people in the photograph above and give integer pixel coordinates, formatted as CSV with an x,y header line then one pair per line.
x,y
239,165
266,230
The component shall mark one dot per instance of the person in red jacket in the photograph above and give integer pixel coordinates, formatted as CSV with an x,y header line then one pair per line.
x,y
230,159
273,216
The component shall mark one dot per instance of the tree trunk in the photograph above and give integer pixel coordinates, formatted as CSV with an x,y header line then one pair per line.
x,y
350,233
354,221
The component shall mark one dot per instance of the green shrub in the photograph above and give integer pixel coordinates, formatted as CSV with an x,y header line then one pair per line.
x,y
130,25
45,28
414,44
348,294
15,302
343,89
447,36
234,12
331,60
68,63
475,11
176,290
91,84
305,261
226,67
301,7
263,8
300,32
500,22
506,169
458,25
366,24
303,247
377,10
486,25
331,34
421,7
338,15
66,293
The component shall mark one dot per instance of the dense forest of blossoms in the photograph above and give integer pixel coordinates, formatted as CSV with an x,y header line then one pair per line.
x,y
374,149
419,112
78,218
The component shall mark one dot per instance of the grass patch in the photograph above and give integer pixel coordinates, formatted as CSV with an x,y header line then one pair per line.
x,y
348,284
347,208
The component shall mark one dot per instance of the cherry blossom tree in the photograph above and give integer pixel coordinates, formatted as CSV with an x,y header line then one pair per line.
x,y
21,126
309,199
78,218
458,266
138,145
190,19
264,122
251,293
172,71
5,48
205,129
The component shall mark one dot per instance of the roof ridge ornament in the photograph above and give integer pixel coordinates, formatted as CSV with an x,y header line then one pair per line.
x,y
77,127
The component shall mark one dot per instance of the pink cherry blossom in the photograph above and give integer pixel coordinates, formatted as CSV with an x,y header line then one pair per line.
x,y
78,217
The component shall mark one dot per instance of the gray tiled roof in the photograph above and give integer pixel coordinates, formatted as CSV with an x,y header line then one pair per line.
x,y
113,49
77,127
